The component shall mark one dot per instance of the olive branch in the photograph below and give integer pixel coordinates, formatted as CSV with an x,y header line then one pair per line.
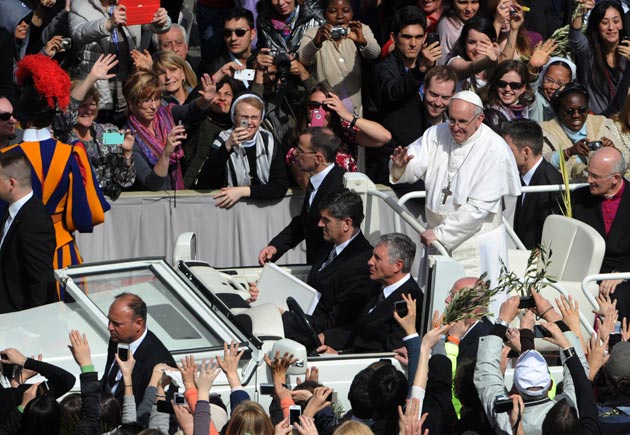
x,y
535,274
470,302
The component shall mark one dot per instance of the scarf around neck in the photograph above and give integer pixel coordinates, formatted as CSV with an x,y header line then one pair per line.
x,y
153,145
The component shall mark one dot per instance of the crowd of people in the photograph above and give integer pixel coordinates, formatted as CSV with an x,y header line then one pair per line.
x,y
466,99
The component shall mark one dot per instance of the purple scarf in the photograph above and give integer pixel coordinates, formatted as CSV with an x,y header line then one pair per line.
x,y
152,146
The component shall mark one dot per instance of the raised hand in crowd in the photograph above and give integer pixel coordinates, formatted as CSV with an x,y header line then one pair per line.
x,y
323,34
27,374
80,348
142,60
408,323
29,395
229,363
623,48
312,375
227,70
607,326
557,337
185,419
410,422
279,367
513,336
542,53
430,54
188,369
126,368
604,302
306,426
356,33
543,308
207,90
318,402
118,18
570,311
596,354
160,18
174,139
208,372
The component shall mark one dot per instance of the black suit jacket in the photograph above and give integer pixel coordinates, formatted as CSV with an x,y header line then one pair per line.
x,y
150,352
470,343
345,285
377,330
587,208
531,214
304,226
26,260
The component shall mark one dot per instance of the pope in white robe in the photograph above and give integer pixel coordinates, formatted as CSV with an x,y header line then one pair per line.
x,y
467,169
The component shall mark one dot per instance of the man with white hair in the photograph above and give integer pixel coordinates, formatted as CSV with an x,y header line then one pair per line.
x,y
467,170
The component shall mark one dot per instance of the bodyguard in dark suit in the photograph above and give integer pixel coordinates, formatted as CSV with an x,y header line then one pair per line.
x,y
525,138
315,155
27,240
340,273
127,325
377,330
605,206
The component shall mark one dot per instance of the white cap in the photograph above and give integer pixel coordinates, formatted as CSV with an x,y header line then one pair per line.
x,y
468,96
531,371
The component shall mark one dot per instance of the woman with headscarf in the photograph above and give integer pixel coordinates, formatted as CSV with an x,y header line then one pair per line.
x,y
245,161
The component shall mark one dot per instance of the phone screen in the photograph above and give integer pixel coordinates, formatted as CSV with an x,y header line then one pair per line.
x,y
294,414
123,352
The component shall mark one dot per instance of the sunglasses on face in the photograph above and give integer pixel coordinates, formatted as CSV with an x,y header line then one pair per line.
x,y
316,105
572,111
239,32
513,85
5,116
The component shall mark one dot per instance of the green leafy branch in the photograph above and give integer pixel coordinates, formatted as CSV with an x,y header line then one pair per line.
x,y
535,273
470,302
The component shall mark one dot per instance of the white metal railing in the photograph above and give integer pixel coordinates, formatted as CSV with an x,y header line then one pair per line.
x,y
403,213
508,227
600,277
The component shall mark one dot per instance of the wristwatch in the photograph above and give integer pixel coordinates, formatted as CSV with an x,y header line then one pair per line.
x,y
501,322
568,353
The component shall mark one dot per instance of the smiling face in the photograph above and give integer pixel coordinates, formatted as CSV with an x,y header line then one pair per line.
x,y
472,44
338,13
146,109
21,30
430,6
556,77
284,8
381,267
245,111
88,111
573,110
172,78
438,96
510,87
409,41
466,9
610,26
223,100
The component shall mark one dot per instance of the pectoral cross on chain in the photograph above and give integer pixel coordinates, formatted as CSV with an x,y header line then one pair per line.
x,y
446,192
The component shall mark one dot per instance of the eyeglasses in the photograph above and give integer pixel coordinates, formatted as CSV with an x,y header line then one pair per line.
x,y
299,150
254,118
572,111
316,105
550,81
5,116
588,174
460,123
149,100
239,32
171,44
513,85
